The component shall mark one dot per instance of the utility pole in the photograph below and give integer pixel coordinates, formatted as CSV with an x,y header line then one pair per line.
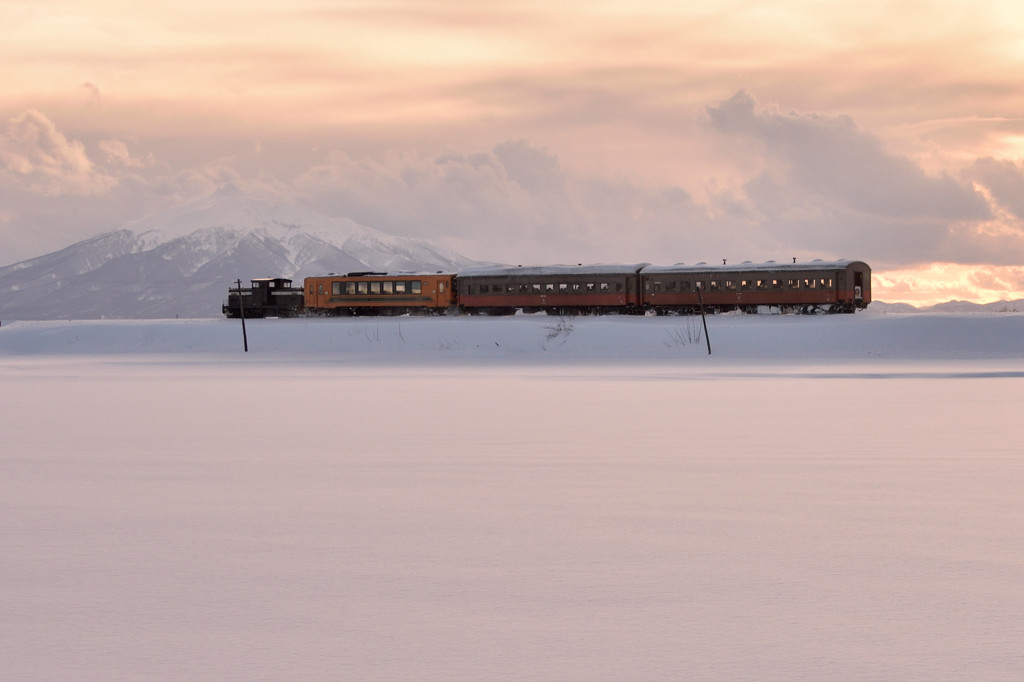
x,y
241,313
700,300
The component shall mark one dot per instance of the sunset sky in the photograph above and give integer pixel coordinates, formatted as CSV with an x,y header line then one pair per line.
x,y
540,132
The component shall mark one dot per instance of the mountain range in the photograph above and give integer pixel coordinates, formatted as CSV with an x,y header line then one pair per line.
x,y
180,262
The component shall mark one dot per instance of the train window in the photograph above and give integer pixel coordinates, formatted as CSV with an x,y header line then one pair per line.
x,y
350,288
657,287
320,289
387,287
684,286
604,286
374,287
618,287
563,287
590,286
401,287
730,285
762,284
671,286
549,287
335,288
794,284
745,285
310,289
822,285
536,288
699,284
440,287
416,286
576,287
776,284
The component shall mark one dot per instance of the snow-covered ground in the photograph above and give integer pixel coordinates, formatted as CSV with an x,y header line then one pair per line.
x,y
518,498
539,338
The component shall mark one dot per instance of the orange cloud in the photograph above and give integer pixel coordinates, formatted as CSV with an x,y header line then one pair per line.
x,y
940,282
36,156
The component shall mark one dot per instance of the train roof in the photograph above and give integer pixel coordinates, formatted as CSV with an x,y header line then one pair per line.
x,y
395,273
770,266
552,270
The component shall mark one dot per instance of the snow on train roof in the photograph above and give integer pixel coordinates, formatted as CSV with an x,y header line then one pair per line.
x,y
392,273
607,269
752,267
552,270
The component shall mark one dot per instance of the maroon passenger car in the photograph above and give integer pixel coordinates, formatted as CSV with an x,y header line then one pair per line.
x,y
825,286
556,289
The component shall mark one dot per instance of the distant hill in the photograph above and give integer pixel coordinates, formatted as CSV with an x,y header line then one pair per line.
x,y
180,262
951,307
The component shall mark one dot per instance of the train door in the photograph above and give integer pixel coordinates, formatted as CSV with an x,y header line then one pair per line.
x,y
858,286
315,301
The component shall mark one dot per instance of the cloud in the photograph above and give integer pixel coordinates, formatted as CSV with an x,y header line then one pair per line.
x,y
36,157
1003,179
116,153
513,203
829,158
824,185
92,93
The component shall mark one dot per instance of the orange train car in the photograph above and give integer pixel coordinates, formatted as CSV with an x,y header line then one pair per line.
x,y
376,293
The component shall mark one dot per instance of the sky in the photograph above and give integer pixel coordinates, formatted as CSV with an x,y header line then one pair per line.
x,y
538,132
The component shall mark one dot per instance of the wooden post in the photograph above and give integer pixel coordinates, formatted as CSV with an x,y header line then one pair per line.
x,y
241,314
700,300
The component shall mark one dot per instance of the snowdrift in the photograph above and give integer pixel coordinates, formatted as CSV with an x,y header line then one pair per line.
x,y
538,338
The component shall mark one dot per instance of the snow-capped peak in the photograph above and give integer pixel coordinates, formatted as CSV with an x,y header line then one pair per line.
x,y
230,210
180,261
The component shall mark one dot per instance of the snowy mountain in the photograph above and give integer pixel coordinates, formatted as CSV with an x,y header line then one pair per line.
x,y
180,262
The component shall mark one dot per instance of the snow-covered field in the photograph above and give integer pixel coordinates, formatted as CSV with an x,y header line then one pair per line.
x,y
521,498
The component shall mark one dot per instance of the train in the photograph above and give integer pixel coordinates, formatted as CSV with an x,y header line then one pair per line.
x,y
841,286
